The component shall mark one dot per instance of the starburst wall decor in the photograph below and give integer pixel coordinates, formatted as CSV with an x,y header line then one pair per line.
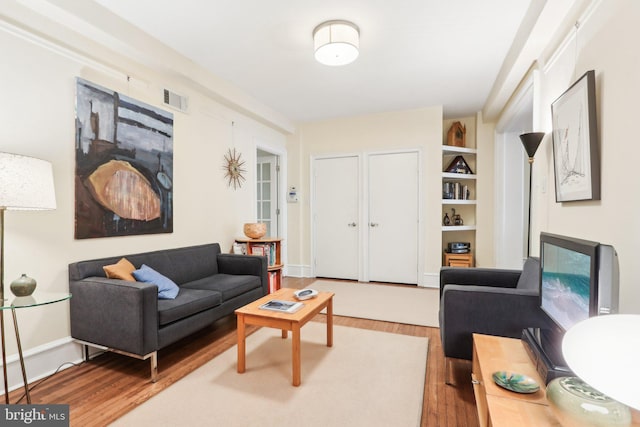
x,y
233,166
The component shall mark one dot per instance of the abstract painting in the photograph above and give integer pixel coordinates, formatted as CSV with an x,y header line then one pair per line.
x,y
124,165
575,146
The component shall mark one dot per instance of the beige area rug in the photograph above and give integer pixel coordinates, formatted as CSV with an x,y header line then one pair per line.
x,y
367,378
401,304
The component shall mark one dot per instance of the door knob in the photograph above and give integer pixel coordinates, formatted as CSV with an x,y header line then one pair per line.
x,y
374,224
352,224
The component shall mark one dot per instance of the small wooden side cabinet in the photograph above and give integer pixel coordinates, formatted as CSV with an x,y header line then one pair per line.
x,y
458,260
271,248
497,406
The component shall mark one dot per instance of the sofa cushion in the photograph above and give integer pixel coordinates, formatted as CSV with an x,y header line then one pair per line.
x,y
181,265
187,303
167,289
120,270
229,285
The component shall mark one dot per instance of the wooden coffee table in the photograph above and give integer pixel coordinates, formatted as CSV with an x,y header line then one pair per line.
x,y
251,314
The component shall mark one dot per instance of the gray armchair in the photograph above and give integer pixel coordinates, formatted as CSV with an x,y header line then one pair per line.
x,y
487,301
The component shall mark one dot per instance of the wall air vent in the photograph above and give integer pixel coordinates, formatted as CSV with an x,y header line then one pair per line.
x,y
176,101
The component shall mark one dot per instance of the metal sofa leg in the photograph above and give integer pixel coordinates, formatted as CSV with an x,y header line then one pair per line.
x,y
153,356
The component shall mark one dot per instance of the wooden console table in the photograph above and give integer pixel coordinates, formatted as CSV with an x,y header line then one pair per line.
x,y
497,406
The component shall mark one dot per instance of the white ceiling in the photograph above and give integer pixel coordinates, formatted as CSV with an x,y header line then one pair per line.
x,y
413,53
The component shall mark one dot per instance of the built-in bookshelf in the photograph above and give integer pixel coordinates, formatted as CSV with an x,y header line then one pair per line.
x,y
458,196
271,248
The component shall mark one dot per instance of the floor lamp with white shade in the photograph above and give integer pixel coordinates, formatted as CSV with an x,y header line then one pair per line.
x,y
26,183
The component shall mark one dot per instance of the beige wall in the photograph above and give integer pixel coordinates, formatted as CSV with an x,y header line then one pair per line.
x,y
606,43
420,128
485,208
37,110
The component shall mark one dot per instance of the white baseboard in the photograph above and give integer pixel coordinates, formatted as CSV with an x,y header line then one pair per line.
x,y
293,270
431,280
42,361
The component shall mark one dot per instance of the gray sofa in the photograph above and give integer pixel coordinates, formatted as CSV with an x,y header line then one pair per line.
x,y
128,318
488,301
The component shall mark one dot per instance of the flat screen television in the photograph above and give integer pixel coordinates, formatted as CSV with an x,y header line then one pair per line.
x,y
578,279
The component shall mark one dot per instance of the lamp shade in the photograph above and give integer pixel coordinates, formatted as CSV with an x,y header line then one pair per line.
x,y
603,351
336,42
531,142
26,183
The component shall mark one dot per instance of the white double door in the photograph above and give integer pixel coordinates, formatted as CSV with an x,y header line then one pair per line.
x,y
366,217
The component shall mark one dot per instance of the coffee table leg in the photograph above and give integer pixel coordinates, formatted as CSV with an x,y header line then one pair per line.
x,y
241,344
330,322
295,353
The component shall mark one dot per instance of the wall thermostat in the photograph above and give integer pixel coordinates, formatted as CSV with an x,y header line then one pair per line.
x,y
292,195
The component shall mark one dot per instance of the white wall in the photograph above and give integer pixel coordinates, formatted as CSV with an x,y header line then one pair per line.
x,y
607,43
37,109
420,128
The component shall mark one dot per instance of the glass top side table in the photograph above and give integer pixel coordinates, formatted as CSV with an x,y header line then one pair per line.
x,y
36,299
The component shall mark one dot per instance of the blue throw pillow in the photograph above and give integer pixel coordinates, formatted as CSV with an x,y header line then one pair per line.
x,y
167,289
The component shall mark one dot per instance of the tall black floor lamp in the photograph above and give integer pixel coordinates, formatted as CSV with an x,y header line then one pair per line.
x,y
531,141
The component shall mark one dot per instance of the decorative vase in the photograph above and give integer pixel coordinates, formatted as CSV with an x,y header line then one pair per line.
x,y
23,286
255,230
577,404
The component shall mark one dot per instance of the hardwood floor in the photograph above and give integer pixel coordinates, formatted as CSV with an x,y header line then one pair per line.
x,y
103,389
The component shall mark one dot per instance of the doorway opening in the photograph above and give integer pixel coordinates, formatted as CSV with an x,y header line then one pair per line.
x,y
512,178
267,191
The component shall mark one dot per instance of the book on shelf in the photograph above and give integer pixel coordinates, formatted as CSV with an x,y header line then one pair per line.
x,y
257,250
272,254
240,248
455,190
282,306
265,249
273,281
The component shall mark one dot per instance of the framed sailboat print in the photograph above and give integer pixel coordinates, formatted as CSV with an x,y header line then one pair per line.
x,y
576,156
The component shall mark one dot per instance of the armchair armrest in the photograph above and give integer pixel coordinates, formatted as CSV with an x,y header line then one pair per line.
x,y
465,310
494,277
245,264
115,313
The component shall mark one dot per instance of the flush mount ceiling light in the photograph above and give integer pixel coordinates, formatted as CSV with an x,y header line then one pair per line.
x,y
336,42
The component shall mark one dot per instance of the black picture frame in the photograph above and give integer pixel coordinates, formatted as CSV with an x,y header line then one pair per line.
x,y
576,157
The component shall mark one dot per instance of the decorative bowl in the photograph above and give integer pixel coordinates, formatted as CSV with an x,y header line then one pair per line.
x,y
255,230
515,382
577,404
